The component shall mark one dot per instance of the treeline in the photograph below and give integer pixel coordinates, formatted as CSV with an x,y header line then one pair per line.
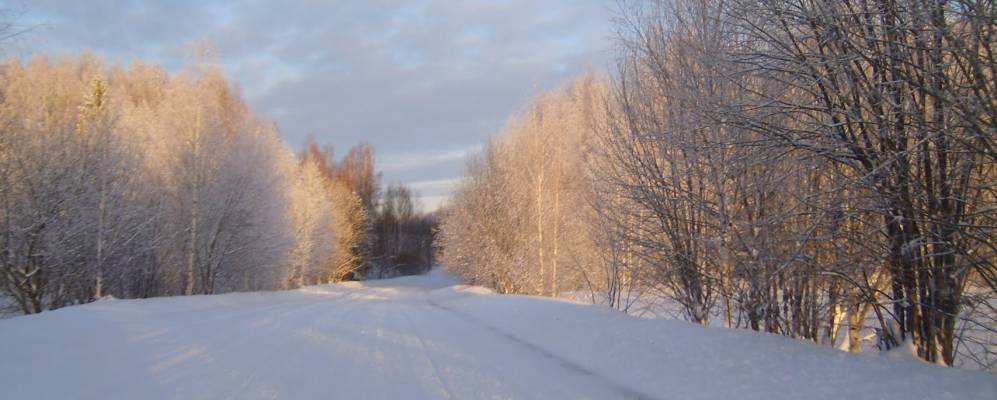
x,y
789,167
389,234
132,182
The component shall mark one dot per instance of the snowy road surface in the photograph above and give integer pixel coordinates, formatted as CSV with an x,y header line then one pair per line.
x,y
420,337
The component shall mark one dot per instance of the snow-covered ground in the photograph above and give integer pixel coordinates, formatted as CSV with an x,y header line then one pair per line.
x,y
976,344
424,337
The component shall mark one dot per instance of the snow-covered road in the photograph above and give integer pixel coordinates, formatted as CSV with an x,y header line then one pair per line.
x,y
418,337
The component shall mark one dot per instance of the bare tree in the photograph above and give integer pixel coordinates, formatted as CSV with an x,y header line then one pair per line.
x,y
900,93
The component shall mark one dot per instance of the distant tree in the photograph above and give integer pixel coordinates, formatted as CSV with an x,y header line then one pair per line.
x,y
404,243
350,220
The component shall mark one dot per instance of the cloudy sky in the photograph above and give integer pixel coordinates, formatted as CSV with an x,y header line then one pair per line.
x,y
424,81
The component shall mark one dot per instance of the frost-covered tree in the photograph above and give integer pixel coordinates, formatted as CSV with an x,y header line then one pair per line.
x,y
312,212
519,221
130,182
791,167
900,94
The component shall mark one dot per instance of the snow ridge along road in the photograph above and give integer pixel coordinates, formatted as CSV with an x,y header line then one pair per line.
x,y
426,338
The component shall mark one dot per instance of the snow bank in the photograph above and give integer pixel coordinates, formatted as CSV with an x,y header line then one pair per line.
x,y
681,360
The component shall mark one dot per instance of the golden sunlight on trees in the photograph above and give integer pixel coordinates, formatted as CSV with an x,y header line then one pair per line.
x,y
517,222
819,170
129,182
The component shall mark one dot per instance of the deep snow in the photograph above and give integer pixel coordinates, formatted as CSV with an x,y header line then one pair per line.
x,y
425,337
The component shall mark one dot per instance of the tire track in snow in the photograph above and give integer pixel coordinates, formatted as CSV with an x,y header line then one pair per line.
x,y
447,391
625,391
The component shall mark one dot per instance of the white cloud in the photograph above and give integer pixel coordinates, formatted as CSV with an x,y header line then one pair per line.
x,y
432,203
435,186
410,160
406,77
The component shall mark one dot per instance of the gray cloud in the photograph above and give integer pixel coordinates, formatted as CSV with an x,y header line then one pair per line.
x,y
410,77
